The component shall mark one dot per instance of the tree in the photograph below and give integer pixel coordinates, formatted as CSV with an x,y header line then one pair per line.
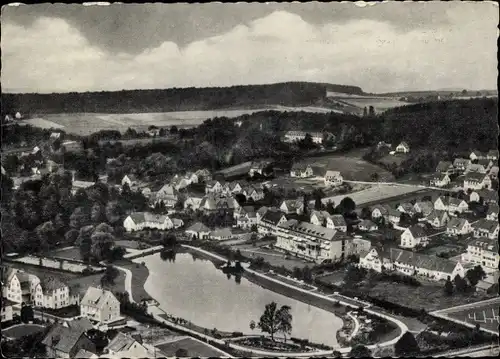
x,y
366,213
375,177
336,353
318,205
346,205
365,112
475,274
448,287
174,129
460,284
79,218
252,325
181,352
284,320
406,345
27,313
360,351
274,320
110,275
371,111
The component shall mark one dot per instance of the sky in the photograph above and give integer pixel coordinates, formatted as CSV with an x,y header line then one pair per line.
x,y
382,47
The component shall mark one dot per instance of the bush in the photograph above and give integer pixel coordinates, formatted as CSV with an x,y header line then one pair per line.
x,y
237,334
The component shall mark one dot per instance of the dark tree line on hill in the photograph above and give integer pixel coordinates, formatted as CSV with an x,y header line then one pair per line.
x,y
174,99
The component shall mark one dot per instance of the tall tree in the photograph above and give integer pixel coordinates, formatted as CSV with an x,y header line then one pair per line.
x,y
406,345
475,274
371,111
273,320
284,320
360,351
365,112
448,287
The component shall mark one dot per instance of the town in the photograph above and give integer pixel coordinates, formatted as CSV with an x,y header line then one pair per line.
x,y
335,223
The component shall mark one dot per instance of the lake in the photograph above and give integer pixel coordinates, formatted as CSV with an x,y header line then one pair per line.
x,y
195,290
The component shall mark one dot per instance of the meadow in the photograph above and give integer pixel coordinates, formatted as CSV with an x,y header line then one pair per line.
x,y
87,123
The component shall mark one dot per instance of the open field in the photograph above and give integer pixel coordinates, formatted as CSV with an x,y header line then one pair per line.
x,y
68,253
194,348
380,103
237,170
18,331
397,159
87,123
351,167
484,314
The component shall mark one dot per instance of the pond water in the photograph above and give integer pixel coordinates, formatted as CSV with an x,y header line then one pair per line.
x,y
195,290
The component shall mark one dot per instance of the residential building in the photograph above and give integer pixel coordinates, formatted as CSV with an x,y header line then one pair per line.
x,y
403,147
367,226
383,144
437,218
337,222
314,243
407,208
289,206
440,180
268,225
301,170
444,167
492,155
461,164
54,294
242,211
488,196
166,196
198,231
131,180
231,188
358,245
333,178
100,305
208,203
139,221
414,236
493,173
66,342
476,155
253,192
450,204
213,186
259,167
483,252
458,226
6,310
318,218
412,263
485,228
476,181
19,286
393,216
424,207
221,234
492,213
380,211
226,204
476,168
85,354
261,212
193,202
294,136
486,163
247,220
125,346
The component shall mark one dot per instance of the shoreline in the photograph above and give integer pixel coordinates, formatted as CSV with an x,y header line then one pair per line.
x,y
335,307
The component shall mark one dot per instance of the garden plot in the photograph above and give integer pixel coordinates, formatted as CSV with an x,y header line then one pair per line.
x,y
56,264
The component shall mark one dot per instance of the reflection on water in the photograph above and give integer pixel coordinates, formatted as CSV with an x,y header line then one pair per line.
x,y
194,289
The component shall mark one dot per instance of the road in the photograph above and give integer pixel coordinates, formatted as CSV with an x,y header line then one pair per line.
x,y
475,352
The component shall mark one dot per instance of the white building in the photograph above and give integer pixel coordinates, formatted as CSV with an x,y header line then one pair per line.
x,y
483,252
193,202
333,178
413,236
403,147
485,228
318,218
100,305
167,196
124,346
213,187
437,218
139,221
314,243
221,234
458,226
476,155
54,294
293,206
301,170
268,225
450,205
440,180
337,222
19,286
130,180
367,226
6,310
294,136
198,231
477,181
411,263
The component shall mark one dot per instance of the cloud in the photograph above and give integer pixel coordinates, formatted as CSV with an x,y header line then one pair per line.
x,y
50,55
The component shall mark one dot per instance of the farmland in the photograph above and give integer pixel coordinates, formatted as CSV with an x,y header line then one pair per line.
x,y
380,103
87,123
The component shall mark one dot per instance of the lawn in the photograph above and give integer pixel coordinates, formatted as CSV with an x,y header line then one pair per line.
x,y
68,253
18,331
82,283
428,296
351,167
194,348
397,159
140,274
276,259
335,278
132,244
377,194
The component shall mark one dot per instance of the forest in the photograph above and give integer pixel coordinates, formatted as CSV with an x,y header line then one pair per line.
x,y
174,99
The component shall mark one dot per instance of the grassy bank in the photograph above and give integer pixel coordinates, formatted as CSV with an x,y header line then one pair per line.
x,y
140,274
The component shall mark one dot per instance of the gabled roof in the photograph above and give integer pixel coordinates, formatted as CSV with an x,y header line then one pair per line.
x,y
425,206
493,209
131,177
120,343
96,297
456,223
62,338
436,214
477,167
486,225
366,223
477,153
321,215
383,208
50,284
262,210
488,195
198,227
338,220
273,217
493,153
310,229
403,143
475,177
486,244
141,217
221,232
331,173
443,166
484,162
417,231
83,324
422,261
300,166
407,206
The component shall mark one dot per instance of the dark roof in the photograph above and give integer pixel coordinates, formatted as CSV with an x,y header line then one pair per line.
x,y
456,222
488,194
474,176
82,324
493,208
198,227
486,225
443,166
422,261
50,284
62,338
417,231
273,217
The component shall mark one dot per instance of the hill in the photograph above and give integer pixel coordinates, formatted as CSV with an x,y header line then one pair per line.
x,y
174,99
